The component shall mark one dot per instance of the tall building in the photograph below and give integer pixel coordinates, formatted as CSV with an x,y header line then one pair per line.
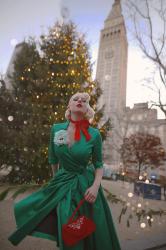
x,y
10,69
112,61
111,73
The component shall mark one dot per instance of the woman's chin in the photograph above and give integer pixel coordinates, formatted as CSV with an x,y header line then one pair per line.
x,y
79,112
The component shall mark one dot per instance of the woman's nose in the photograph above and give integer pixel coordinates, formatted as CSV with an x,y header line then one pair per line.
x,y
79,100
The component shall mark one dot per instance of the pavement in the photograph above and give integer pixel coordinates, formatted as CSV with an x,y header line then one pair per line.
x,y
161,247
131,238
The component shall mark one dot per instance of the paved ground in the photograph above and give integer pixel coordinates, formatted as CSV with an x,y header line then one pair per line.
x,y
132,238
161,247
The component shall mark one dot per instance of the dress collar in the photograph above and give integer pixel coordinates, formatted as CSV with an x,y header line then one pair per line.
x,y
66,124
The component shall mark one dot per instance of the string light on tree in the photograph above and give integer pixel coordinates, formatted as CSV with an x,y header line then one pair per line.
x,y
72,72
70,58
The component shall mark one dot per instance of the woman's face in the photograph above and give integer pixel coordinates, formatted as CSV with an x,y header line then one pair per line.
x,y
78,103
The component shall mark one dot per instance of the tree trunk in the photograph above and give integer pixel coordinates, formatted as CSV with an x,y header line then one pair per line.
x,y
139,169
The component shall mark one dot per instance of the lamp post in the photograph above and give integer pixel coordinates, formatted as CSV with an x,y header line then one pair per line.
x,y
123,174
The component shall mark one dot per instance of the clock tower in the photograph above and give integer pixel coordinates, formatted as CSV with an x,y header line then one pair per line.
x,y
112,73
112,61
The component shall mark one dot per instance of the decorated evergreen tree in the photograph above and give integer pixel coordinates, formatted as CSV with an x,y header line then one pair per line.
x,y
66,54
46,74
22,116
7,110
9,132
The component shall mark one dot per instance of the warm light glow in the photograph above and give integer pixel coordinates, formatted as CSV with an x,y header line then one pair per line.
x,y
72,72
142,225
10,118
139,205
130,194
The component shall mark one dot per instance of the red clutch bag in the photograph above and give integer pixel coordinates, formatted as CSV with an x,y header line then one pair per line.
x,y
76,230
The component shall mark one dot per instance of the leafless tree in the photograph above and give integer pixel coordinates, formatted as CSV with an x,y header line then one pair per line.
x,y
147,22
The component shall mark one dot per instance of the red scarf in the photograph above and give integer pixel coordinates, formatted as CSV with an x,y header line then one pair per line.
x,y
81,125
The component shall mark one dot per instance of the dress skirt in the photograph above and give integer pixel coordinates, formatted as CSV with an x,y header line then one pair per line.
x,y
42,213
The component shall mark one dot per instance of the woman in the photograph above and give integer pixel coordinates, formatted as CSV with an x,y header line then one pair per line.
x,y
72,145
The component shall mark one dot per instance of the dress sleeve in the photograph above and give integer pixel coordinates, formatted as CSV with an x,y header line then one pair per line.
x,y
52,158
97,158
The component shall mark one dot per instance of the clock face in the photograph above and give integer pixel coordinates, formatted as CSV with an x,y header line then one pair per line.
x,y
109,54
107,77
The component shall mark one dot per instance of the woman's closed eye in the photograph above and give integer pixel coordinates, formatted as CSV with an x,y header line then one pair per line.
x,y
76,99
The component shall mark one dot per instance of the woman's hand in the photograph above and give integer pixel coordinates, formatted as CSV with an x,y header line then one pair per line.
x,y
91,193
54,168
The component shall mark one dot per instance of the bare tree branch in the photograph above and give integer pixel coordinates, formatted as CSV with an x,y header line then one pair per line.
x,y
152,44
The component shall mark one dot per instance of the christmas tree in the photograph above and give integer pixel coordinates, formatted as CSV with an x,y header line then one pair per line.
x,y
7,138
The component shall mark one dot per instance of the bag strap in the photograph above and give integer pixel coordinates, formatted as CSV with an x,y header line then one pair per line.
x,y
77,208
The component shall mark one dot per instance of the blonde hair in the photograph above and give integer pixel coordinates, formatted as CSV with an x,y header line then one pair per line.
x,y
89,114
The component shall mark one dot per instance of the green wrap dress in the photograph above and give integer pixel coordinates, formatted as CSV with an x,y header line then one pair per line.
x,y
42,213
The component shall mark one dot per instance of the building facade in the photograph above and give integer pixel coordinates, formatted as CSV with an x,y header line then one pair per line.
x,y
112,61
10,69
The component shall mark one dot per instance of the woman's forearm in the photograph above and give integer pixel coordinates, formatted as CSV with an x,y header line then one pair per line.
x,y
98,177
54,167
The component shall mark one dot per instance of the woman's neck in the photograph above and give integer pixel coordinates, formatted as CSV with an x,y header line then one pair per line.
x,y
77,117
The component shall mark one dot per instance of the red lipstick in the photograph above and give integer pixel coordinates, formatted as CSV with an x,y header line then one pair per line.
x,y
79,105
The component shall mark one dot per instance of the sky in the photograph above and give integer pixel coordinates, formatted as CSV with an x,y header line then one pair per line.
x,y
20,19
